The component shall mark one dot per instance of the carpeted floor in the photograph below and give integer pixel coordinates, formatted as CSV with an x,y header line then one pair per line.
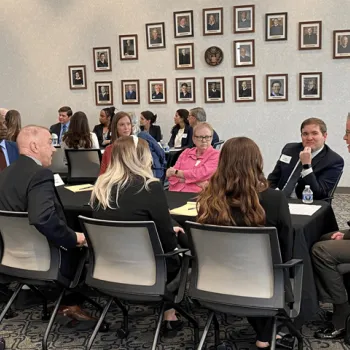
x,y
25,331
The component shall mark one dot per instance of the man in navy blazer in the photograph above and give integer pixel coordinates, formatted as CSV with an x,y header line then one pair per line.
x,y
8,149
64,114
310,162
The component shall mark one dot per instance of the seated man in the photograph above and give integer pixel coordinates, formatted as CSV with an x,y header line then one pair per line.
x,y
8,149
310,162
334,249
64,114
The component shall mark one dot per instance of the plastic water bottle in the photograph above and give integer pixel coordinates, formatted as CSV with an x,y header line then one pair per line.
x,y
54,139
308,195
165,146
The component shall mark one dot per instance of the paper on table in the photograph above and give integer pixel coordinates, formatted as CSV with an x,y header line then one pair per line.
x,y
58,180
303,209
189,209
80,188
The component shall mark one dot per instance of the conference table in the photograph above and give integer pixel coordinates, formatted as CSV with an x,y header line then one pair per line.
x,y
307,231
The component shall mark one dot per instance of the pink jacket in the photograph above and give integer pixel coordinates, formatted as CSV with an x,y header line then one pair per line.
x,y
194,171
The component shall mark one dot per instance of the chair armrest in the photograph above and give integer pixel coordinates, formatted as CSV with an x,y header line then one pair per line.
x,y
80,268
289,264
174,252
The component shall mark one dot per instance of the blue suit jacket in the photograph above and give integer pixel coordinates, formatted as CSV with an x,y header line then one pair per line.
x,y
12,151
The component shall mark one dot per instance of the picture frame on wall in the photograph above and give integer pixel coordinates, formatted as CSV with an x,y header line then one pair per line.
x,y
157,91
276,26
310,86
276,87
155,35
341,44
102,59
214,90
183,24
244,87
244,19
310,35
184,56
104,93
77,77
244,53
128,47
185,90
130,90
213,21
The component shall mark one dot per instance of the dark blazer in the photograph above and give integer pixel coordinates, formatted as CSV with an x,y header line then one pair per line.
x,y
154,131
98,130
214,140
185,141
12,151
214,94
184,59
326,166
310,39
276,30
56,129
245,93
130,95
27,186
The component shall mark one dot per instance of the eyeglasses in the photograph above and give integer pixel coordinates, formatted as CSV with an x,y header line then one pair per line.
x,y
347,132
203,138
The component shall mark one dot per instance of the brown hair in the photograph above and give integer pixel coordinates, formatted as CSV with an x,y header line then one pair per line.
x,y
236,184
316,121
115,120
13,124
66,109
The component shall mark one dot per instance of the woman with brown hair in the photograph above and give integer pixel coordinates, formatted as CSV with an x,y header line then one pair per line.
x,y
13,124
238,195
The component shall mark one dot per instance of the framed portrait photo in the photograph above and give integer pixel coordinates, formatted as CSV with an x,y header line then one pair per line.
x,y
185,90
184,56
244,88
104,93
130,92
77,77
183,24
276,87
276,26
213,21
102,59
244,19
156,91
341,44
310,86
214,90
244,53
128,49
155,35
310,35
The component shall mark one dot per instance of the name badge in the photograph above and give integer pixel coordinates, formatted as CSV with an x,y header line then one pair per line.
x,y
285,159
184,136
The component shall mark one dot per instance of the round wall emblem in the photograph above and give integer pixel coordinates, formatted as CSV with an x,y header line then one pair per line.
x,y
214,56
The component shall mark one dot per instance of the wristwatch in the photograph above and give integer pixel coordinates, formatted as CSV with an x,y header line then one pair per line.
x,y
307,166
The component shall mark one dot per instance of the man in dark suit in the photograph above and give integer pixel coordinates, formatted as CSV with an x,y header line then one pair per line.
x,y
311,88
8,149
276,88
276,28
310,162
64,114
184,57
344,46
327,255
184,91
213,92
244,90
310,38
104,93
183,26
102,63
243,22
131,93
242,55
157,94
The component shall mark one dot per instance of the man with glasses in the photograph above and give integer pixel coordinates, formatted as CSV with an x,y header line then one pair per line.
x,y
310,162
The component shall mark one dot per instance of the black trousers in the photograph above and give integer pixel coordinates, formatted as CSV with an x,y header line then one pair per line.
x,y
262,327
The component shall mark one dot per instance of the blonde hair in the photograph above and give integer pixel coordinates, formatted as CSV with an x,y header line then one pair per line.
x,y
129,160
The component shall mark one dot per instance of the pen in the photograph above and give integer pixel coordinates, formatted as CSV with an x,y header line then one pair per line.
x,y
84,188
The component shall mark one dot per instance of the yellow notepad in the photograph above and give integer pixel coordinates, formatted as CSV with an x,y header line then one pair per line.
x,y
189,209
80,188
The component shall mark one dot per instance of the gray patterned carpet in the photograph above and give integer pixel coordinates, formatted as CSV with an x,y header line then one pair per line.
x,y
25,331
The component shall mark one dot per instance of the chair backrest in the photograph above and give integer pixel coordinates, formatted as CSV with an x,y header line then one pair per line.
x,y
26,253
123,256
83,164
57,163
331,193
235,266
218,145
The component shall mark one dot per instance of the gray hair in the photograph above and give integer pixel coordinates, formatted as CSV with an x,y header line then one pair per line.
x,y
199,114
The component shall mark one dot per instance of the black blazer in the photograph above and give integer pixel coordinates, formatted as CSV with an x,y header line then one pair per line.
x,y
326,166
154,131
185,141
98,130
56,129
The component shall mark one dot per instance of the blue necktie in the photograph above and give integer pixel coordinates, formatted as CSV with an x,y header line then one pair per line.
x,y
64,130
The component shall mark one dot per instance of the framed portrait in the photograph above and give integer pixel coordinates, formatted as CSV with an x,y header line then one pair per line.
x,y
276,25
341,44
213,21
128,49
130,92
214,90
102,59
276,87
77,77
155,35
310,35
244,88
184,56
104,93
310,86
244,53
244,19
183,24
157,91
185,90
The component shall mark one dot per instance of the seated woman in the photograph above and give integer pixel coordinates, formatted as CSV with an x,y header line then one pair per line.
x,y
147,119
13,124
238,195
102,130
128,191
195,165
181,133
78,134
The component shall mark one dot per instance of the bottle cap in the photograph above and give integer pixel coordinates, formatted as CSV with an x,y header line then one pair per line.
x,y
307,186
